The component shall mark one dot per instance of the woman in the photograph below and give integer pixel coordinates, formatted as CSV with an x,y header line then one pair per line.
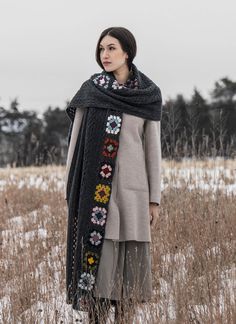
x,y
112,181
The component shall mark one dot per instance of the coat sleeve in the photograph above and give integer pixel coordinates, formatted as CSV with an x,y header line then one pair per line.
x,y
152,147
72,138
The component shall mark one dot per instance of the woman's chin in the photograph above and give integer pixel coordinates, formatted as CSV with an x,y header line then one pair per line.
x,y
108,68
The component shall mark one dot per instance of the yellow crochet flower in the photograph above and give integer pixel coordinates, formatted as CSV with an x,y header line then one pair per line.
x,y
102,193
91,260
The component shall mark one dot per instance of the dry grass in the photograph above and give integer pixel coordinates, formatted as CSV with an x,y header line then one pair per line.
x,y
193,249
204,163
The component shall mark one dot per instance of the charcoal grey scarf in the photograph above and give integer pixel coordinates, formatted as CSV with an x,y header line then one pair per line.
x,y
90,176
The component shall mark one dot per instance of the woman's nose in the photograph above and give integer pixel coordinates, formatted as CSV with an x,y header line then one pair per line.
x,y
105,54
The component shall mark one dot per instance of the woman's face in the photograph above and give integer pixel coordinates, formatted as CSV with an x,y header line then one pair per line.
x,y
111,52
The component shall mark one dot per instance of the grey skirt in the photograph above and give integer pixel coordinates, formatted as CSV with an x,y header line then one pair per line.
x,y
124,271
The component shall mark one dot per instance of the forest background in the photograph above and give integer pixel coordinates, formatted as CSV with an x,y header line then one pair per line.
x,y
189,128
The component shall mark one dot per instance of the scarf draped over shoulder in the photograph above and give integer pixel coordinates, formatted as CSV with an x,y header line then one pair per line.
x,y
89,183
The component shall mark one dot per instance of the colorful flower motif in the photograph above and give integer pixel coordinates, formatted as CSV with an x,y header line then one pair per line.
x,y
106,171
113,124
133,84
110,147
90,260
95,238
99,215
86,281
116,85
102,80
102,193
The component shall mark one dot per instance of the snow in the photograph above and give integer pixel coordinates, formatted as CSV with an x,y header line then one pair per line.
x,y
55,309
50,182
207,179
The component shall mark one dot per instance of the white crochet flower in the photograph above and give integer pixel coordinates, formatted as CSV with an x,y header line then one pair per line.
x,y
99,215
86,281
102,80
95,238
106,170
116,85
113,124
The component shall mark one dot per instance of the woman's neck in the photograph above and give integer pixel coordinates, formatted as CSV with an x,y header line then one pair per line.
x,y
122,74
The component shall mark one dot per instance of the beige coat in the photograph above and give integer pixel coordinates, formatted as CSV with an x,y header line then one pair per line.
x,y
136,180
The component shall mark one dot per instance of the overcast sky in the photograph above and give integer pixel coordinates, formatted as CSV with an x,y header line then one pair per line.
x,y
47,47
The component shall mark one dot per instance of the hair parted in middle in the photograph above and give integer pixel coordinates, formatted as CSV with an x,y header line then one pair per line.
x,y
126,39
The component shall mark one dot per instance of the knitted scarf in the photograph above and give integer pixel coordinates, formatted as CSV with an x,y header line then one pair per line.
x,y
93,164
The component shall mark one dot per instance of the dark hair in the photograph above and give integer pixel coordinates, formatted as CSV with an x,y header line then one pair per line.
x,y
126,39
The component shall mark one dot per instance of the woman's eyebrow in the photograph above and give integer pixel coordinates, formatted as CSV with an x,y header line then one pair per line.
x,y
108,44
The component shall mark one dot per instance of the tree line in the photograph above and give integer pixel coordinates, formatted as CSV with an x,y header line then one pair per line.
x,y
197,128
27,138
189,128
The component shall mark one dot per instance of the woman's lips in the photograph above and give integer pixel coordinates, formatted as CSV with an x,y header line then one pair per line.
x,y
106,63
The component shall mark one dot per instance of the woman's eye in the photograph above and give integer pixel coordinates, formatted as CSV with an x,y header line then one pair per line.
x,y
110,48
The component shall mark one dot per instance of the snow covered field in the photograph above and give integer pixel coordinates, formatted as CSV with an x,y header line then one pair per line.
x,y
210,175
193,246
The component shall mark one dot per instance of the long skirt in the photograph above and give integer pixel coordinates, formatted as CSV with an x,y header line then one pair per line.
x,y
124,271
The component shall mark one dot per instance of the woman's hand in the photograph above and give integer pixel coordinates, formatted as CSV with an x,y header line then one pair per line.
x,y
154,213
